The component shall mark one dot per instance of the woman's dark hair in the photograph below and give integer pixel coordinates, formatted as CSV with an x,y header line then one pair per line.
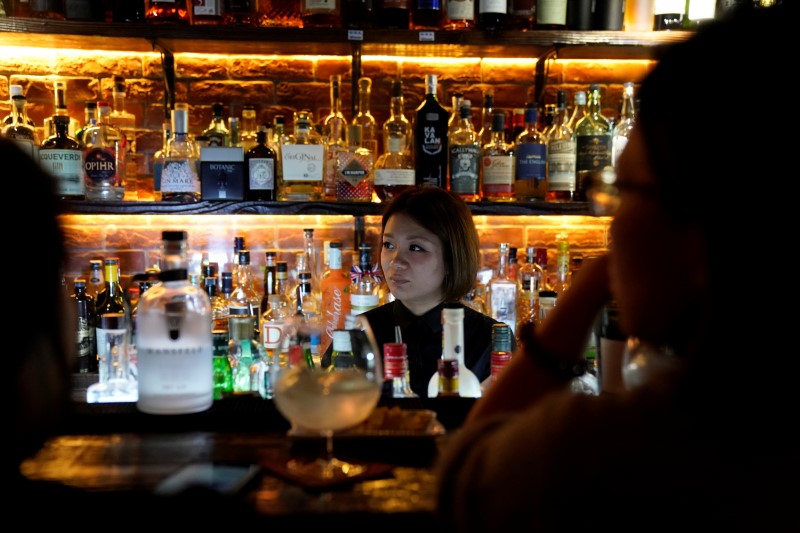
x,y
447,216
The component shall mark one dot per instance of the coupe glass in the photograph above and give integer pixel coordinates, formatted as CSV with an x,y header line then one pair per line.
x,y
338,393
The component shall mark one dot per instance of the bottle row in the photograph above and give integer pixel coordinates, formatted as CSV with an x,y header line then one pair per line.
x,y
495,15
553,157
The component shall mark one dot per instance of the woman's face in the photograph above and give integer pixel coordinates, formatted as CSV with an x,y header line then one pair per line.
x,y
655,262
413,263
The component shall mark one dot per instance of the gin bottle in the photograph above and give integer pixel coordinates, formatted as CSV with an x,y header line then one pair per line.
x,y
430,138
365,288
260,169
302,162
174,338
180,177
593,143
104,158
60,107
62,156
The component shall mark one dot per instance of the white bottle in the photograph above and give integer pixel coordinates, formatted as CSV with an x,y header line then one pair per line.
x,y
453,348
173,335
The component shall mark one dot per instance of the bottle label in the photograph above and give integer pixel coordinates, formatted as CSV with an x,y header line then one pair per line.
x,y
431,140
461,9
561,165
394,176
464,169
498,170
360,303
303,162
180,176
551,12
262,173
67,167
531,161
490,6
100,167
594,152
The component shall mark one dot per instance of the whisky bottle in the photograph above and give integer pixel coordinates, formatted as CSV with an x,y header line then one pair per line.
x,y
244,292
180,177
427,14
455,110
492,15
394,169
335,289
175,348
622,129
465,156
85,312
370,135
218,134
365,287
321,13
460,15
334,130
207,12
561,155
62,156
502,291
302,162
498,164
430,138
239,13
259,162
104,158
354,169
393,14
593,144
20,129
168,11
530,171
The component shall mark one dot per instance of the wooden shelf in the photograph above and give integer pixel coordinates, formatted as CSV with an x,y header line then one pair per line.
x,y
143,37
216,207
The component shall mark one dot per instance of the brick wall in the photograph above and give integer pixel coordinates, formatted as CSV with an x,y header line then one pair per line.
x,y
281,85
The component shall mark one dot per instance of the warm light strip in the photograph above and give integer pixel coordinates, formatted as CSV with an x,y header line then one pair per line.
x,y
31,52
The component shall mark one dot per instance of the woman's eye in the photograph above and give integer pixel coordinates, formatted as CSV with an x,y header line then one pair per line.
x,y
387,245
416,248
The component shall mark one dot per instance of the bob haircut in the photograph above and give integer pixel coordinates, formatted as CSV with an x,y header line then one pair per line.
x,y
448,217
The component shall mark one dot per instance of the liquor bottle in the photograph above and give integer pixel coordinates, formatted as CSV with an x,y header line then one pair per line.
x,y
465,157
354,169
302,162
60,106
668,14
430,138
513,263
283,286
578,110
236,132
365,287
561,155
221,365
249,128
357,13
85,313
622,129
14,90
334,130
521,15
278,14
455,111
180,178
530,171
239,13
502,291
498,164
270,279
501,349
321,14
120,118
530,280
395,369
89,119
241,347
460,15
593,144
492,15
259,162
219,307
96,281
394,169
427,14
393,14
207,12
244,292
370,135
608,15
305,301
485,132
20,129
47,9
551,14
562,277
104,158
62,156
638,15
175,347
218,134
273,321
335,289
168,11
453,376
110,300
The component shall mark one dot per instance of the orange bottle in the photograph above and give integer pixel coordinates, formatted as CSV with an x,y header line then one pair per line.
x,y
335,288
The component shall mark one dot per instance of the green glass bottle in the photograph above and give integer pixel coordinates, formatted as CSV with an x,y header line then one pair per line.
x,y
593,143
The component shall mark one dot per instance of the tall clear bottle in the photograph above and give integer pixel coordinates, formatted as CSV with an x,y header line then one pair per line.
x,y
561,154
502,291
578,110
180,176
104,158
530,170
530,280
394,169
498,164
121,118
430,138
174,338
302,162
334,131
623,127
370,133
593,143
465,156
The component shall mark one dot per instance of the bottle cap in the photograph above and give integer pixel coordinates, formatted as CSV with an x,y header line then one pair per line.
x,y
168,235
394,349
282,266
341,341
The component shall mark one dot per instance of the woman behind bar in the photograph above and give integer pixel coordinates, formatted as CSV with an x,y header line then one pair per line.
x,y
430,255
710,439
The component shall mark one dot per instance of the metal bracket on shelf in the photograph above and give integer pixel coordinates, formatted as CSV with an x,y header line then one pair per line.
x,y
355,75
168,67
540,73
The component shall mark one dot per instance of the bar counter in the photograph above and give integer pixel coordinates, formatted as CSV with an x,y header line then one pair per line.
x,y
116,448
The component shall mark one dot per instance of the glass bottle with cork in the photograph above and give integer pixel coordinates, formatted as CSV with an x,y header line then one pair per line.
x,y
180,177
394,169
302,162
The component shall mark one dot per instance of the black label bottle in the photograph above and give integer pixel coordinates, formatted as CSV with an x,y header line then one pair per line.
x,y
259,163
85,341
430,138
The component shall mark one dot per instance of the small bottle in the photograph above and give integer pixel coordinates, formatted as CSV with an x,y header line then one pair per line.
x,y
85,341
465,156
260,169
394,169
593,144
395,368
180,178
364,290
561,154
218,134
370,134
62,156
430,138
207,12
175,346
168,11
501,349
302,162
502,291
530,171
498,164
354,169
